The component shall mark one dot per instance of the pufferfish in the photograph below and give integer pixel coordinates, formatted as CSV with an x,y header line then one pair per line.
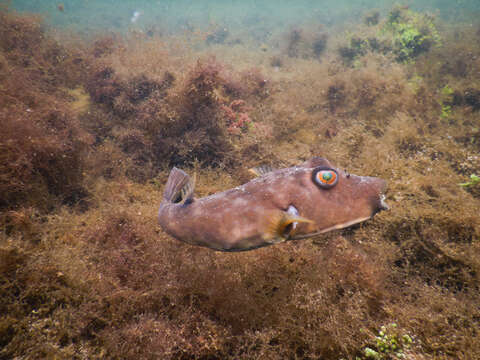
x,y
279,205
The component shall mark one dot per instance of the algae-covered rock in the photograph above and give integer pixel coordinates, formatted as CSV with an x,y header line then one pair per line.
x,y
411,33
405,34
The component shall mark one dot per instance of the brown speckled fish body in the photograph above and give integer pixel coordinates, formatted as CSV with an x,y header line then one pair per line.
x,y
242,218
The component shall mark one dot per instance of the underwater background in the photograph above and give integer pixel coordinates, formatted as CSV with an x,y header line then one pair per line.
x,y
100,99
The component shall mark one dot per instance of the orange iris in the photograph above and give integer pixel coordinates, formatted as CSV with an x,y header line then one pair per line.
x,y
327,177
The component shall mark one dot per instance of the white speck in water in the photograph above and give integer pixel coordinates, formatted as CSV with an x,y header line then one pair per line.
x,y
135,16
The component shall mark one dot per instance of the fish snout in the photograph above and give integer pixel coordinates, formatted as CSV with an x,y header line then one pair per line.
x,y
382,205
379,186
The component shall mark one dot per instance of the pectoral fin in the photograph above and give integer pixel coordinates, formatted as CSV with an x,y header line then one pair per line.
x,y
280,226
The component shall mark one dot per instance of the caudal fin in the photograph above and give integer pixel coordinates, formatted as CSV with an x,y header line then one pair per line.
x,y
180,187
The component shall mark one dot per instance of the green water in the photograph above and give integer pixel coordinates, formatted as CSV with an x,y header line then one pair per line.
x,y
172,16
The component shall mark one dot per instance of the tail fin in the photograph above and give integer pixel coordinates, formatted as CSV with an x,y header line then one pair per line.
x,y
179,188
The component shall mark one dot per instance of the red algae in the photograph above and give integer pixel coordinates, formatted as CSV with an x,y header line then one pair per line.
x,y
42,142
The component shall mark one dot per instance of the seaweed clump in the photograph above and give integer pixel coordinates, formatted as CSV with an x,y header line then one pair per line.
x,y
405,35
356,48
306,43
149,114
199,121
372,18
42,142
412,34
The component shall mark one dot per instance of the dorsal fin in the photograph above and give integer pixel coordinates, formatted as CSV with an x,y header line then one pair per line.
x,y
180,187
277,226
261,170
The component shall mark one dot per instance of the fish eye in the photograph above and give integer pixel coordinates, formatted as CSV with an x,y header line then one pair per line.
x,y
324,177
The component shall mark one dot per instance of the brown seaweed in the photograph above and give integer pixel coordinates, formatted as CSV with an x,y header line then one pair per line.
x,y
106,282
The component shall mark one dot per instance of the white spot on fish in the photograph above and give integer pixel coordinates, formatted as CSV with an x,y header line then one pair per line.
x,y
292,210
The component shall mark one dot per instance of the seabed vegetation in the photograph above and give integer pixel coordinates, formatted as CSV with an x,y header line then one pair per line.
x,y
90,129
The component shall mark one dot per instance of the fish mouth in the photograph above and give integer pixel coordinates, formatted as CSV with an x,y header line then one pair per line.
x,y
380,187
383,204
380,205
